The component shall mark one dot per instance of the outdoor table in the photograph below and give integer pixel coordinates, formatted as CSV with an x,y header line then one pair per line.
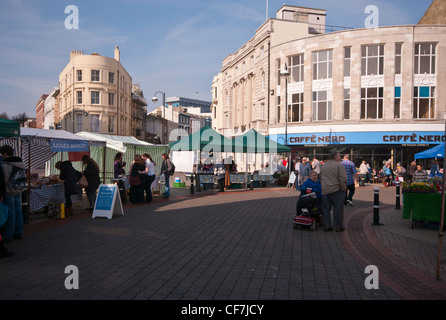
x,y
422,206
52,193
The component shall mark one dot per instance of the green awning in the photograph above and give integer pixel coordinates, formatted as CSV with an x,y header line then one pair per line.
x,y
254,142
206,139
9,128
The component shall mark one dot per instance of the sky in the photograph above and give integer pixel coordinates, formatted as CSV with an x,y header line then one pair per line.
x,y
173,46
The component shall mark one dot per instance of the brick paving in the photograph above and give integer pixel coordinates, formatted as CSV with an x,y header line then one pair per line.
x,y
237,245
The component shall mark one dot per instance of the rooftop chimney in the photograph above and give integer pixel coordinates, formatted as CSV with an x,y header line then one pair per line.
x,y
117,54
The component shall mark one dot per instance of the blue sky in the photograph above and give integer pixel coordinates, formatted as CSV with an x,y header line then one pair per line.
x,y
175,46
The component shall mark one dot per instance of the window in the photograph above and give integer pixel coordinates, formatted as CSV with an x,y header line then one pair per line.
x,y
347,61
111,77
79,122
95,97
346,104
321,106
78,97
95,123
95,75
372,103
397,103
398,50
263,81
111,99
278,109
79,75
278,71
296,64
372,60
424,103
425,58
111,124
296,108
322,65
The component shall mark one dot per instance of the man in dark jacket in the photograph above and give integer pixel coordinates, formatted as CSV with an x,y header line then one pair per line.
x,y
70,177
3,251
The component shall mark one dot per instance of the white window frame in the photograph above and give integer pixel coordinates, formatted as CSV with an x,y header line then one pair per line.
x,y
296,105
94,99
366,103
95,123
323,59
431,102
95,75
297,65
421,53
368,55
319,102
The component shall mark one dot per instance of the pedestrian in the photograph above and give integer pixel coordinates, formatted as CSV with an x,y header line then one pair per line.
x,y
412,168
4,214
91,173
166,168
119,165
150,172
363,171
388,174
334,185
420,175
13,166
70,177
305,169
220,173
137,179
352,174
313,184
400,172
316,165
434,169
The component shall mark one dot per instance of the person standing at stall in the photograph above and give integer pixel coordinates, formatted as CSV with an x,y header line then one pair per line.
x,y
166,168
70,177
119,165
150,172
91,173
137,179
15,181
220,173
4,253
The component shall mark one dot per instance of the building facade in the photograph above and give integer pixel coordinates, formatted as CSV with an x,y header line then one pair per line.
x,y
373,93
95,95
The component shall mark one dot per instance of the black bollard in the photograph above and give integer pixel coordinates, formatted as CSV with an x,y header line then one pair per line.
x,y
398,202
192,191
376,208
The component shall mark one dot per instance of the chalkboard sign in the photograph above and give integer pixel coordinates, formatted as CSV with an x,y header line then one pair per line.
x,y
108,201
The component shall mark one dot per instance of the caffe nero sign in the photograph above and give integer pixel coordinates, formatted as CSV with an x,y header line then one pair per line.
x,y
382,138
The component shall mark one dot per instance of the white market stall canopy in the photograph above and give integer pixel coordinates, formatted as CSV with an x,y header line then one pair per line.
x,y
119,143
37,146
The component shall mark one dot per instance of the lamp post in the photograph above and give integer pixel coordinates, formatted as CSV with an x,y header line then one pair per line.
x,y
285,73
155,99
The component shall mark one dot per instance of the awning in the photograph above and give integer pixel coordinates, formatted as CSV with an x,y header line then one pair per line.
x,y
118,143
254,142
206,139
9,128
435,152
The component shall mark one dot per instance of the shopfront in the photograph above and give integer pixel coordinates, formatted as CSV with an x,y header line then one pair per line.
x,y
363,144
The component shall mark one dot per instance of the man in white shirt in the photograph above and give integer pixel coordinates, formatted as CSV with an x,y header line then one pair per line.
x,y
150,172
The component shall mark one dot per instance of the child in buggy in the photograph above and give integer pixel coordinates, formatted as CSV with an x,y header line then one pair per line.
x,y
308,208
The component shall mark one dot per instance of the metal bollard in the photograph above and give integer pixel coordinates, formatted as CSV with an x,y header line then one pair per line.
x,y
192,184
376,208
398,202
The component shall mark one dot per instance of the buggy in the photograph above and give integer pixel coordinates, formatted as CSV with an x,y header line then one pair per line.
x,y
307,211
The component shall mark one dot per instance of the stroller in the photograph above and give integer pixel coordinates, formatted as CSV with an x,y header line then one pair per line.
x,y
307,211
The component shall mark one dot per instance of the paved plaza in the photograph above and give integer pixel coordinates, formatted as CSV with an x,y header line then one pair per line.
x,y
236,245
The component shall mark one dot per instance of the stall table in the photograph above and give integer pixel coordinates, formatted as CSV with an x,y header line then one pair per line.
x,y
52,193
422,206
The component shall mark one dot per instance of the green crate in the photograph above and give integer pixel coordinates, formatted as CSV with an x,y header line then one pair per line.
x,y
179,184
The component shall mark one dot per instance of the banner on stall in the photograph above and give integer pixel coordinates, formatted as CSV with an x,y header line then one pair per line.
x,y
108,202
60,145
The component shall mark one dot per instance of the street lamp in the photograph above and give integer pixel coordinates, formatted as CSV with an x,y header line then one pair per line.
x,y
155,100
285,73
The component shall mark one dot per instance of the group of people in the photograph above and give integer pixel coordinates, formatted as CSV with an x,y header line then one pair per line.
x,y
334,185
142,175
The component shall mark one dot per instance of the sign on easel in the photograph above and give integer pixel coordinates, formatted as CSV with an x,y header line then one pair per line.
x,y
108,201
291,180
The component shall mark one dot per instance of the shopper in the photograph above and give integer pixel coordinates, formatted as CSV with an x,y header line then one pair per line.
x,y
220,173
334,185
166,168
316,165
70,177
150,172
4,212
13,167
412,168
352,174
91,173
137,179
119,165
305,169
420,175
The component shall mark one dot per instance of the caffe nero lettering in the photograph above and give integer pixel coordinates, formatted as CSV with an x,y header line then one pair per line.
x,y
414,138
315,139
